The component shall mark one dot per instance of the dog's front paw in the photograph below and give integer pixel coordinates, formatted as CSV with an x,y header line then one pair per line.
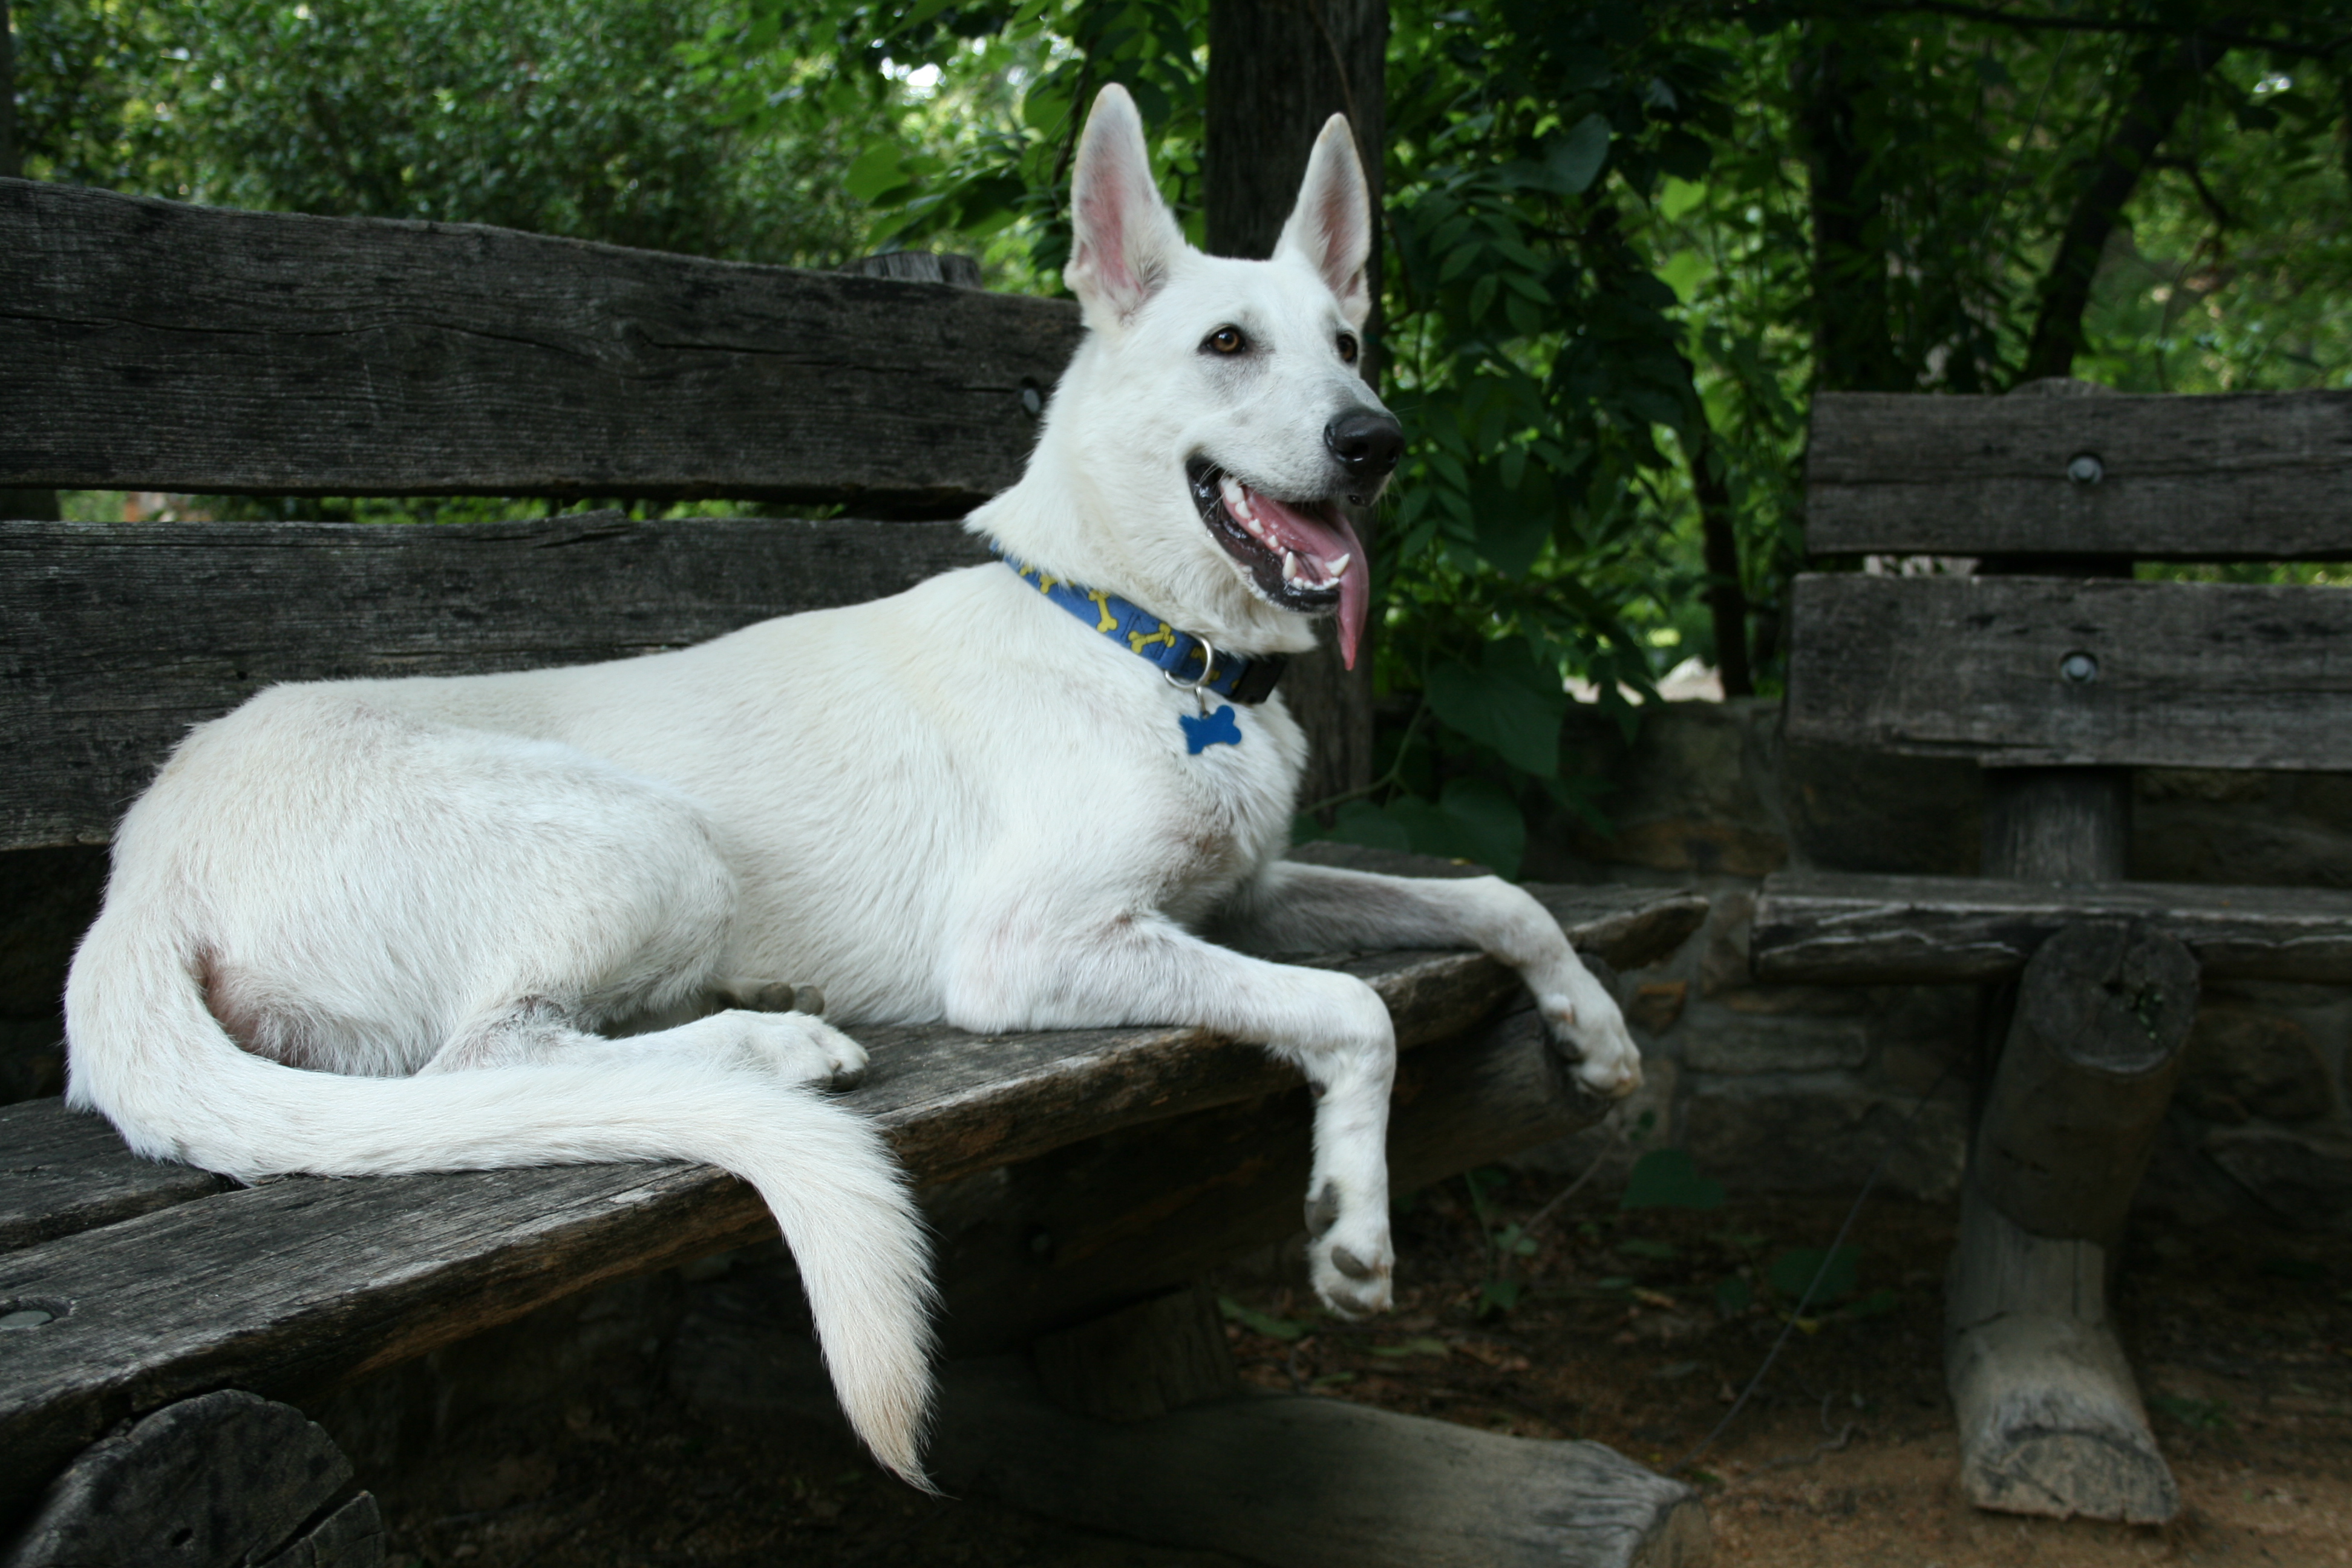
x,y
1594,1037
1349,1255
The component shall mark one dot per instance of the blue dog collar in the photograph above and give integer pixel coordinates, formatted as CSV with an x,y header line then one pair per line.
x,y
1181,655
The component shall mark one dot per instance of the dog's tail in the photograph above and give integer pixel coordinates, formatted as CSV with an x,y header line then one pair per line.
x,y
144,1051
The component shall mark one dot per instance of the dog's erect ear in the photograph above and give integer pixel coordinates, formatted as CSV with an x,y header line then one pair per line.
x,y
1331,226
1122,239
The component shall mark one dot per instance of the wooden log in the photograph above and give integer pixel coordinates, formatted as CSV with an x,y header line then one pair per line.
x,y
1303,1482
115,638
2248,476
153,345
1831,930
2049,1421
217,1481
1158,1355
2093,1053
2031,671
364,1274
350,1537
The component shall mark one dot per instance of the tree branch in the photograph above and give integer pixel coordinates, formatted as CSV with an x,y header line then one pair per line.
x,y
2169,73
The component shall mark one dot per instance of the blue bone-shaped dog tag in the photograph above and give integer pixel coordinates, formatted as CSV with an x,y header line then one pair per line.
x,y
1218,728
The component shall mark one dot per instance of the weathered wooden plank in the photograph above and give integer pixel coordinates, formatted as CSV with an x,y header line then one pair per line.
x,y
153,345
61,1172
1852,929
278,1286
2033,672
114,638
2247,475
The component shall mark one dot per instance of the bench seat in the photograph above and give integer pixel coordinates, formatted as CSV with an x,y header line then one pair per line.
x,y
1821,929
169,1282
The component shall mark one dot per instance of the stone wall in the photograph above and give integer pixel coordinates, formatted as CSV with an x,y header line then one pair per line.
x,y
1801,1088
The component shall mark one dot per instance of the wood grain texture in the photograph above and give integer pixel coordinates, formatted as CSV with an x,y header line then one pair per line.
x,y
1815,928
61,1172
2093,1052
2247,475
1307,1482
2204,674
116,637
218,1481
2049,1419
152,345
280,1285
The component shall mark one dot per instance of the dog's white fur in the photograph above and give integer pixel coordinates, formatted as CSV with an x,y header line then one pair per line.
x,y
453,899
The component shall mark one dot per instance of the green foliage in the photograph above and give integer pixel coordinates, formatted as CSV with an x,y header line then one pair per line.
x,y
1624,245
1669,1179
1814,1278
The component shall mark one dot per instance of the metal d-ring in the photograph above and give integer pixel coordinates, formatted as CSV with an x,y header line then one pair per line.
x,y
1208,673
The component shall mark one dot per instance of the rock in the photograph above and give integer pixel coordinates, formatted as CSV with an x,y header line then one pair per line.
x,y
2304,1178
1687,796
1759,1045
2246,1061
1656,1005
1854,810
1769,1135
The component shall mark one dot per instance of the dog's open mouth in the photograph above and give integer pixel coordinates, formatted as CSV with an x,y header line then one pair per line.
x,y
1301,555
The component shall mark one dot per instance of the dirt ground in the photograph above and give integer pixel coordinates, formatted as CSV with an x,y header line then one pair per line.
x,y
1633,1329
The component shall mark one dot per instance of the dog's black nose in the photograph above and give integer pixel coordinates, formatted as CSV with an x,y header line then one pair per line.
x,y
1368,443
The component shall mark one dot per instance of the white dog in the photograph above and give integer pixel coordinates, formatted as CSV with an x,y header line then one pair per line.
x,y
378,926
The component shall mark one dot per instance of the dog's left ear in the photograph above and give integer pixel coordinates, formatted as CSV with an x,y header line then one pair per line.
x,y
1331,226
1123,239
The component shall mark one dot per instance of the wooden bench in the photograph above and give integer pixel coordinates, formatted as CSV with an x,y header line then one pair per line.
x,y
152,1317
2059,673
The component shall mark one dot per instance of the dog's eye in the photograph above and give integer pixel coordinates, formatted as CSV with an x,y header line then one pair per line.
x,y
1348,350
1225,340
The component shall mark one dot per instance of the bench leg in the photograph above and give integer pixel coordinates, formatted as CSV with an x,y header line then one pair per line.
x,y
2049,1422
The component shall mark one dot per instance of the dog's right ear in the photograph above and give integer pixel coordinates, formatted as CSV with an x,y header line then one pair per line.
x,y
1123,239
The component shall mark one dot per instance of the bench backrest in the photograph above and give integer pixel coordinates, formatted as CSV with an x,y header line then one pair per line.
x,y
154,346
2054,657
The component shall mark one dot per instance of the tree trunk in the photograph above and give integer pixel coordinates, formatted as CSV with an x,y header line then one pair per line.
x,y
1853,345
1278,70
2167,72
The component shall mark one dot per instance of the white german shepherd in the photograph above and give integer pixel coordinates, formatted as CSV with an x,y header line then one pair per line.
x,y
376,926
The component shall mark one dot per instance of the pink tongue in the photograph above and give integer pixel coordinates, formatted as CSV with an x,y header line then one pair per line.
x,y
1319,542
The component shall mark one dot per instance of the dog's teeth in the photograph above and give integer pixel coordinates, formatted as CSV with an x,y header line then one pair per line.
x,y
1236,500
1340,565
1290,567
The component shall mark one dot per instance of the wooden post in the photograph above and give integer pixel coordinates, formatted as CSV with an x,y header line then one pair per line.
x,y
2049,1421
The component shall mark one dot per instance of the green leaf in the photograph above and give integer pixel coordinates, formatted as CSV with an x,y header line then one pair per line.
x,y
1794,1270
1734,1296
876,172
1362,821
1669,1179
1258,1322
1505,703
1574,158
